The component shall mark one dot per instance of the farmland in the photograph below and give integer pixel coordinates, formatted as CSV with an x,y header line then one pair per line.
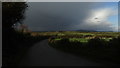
x,y
74,36
94,45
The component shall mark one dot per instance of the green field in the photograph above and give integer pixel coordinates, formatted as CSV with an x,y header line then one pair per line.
x,y
78,36
94,45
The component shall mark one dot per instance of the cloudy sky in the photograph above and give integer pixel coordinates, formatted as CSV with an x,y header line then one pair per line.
x,y
53,16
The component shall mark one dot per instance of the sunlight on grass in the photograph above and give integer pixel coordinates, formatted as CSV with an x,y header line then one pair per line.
x,y
78,40
107,39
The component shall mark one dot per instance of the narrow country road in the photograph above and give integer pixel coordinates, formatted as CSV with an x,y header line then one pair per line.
x,y
41,54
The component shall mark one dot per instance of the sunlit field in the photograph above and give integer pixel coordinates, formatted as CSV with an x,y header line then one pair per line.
x,y
94,45
75,36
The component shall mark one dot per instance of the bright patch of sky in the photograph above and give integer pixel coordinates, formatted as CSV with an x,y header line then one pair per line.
x,y
113,18
104,13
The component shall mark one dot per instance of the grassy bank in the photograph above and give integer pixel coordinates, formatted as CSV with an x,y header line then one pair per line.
x,y
97,48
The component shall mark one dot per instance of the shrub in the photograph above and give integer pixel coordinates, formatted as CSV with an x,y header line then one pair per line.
x,y
64,41
115,43
97,43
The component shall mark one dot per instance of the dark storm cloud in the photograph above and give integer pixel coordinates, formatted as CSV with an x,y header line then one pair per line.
x,y
44,16
56,16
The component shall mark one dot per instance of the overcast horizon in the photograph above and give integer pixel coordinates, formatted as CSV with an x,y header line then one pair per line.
x,y
65,16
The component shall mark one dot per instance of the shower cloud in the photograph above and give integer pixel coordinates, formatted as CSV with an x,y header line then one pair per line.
x,y
55,16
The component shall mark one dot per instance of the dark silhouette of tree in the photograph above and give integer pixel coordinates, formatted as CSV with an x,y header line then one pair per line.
x,y
12,13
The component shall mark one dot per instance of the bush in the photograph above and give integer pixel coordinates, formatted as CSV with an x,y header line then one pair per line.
x,y
115,43
64,41
97,43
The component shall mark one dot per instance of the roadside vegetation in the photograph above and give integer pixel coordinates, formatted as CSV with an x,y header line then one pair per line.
x,y
94,45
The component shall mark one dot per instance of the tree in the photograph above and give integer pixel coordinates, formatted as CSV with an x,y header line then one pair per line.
x,y
12,13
